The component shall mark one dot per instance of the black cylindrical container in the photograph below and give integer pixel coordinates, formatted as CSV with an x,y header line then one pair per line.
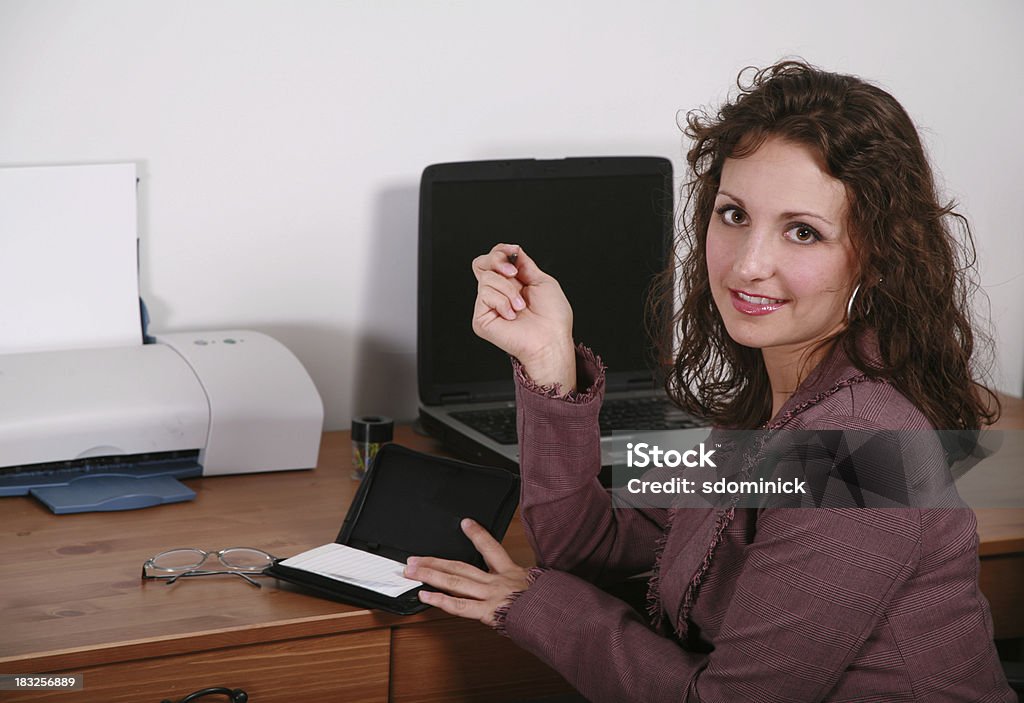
x,y
368,434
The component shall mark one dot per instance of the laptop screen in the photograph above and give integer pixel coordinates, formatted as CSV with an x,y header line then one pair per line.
x,y
602,227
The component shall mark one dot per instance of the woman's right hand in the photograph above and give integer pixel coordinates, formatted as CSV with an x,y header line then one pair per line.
x,y
523,311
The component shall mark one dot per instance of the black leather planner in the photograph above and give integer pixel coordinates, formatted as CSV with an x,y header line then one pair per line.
x,y
411,504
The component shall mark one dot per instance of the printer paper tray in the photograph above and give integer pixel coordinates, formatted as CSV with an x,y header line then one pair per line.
x,y
105,483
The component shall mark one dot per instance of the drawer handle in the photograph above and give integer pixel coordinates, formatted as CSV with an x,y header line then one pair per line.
x,y
235,695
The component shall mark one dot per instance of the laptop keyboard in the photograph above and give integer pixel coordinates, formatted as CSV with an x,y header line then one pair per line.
x,y
621,414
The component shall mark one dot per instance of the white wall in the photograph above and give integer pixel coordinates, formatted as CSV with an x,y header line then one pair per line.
x,y
280,143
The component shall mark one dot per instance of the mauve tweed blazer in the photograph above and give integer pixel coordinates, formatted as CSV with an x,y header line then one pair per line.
x,y
764,605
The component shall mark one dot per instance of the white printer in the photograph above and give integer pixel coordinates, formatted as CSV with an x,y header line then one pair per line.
x,y
113,428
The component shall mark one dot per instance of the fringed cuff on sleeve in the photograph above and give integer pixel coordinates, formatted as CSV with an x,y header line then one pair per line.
x,y
501,614
590,373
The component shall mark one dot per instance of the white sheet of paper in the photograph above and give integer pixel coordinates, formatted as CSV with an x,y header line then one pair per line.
x,y
354,566
69,276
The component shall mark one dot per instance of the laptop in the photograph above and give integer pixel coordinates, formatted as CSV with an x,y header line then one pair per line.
x,y
602,227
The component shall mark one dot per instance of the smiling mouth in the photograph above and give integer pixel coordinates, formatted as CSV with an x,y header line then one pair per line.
x,y
755,304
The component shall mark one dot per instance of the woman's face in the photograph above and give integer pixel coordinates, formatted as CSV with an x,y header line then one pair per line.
x,y
779,257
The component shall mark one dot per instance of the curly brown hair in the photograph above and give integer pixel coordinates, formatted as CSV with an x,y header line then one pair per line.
x,y
915,276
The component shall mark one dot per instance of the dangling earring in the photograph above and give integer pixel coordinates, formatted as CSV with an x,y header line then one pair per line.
x,y
849,305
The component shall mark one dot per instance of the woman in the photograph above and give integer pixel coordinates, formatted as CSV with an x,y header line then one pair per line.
x,y
823,290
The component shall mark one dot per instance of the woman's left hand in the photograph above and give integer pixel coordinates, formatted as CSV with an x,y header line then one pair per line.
x,y
474,593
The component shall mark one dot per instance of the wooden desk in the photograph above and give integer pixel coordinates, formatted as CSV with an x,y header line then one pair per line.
x,y
71,599
995,489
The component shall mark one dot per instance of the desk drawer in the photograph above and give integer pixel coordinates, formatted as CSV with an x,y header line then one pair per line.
x,y
349,667
462,660
1001,581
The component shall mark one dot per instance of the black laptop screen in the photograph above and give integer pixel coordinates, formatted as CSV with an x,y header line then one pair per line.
x,y
602,236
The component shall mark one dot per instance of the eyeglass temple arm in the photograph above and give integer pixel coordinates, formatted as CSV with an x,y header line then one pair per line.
x,y
212,573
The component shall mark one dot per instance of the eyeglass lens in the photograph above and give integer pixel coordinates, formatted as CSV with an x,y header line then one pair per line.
x,y
245,558
179,559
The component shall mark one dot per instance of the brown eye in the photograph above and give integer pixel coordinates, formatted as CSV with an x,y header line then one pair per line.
x,y
732,215
802,234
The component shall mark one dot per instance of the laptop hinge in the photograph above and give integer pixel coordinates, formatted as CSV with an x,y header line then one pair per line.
x,y
454,398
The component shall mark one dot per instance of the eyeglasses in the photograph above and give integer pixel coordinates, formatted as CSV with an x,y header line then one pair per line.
x,y
185,562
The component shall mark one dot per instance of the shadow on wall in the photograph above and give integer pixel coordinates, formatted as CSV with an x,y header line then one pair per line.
x,y
384,369
322,350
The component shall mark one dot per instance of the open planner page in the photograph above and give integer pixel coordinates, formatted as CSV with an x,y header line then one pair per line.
x,y
356,567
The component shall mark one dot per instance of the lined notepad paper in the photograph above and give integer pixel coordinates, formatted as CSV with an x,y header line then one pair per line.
x,y
356,567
